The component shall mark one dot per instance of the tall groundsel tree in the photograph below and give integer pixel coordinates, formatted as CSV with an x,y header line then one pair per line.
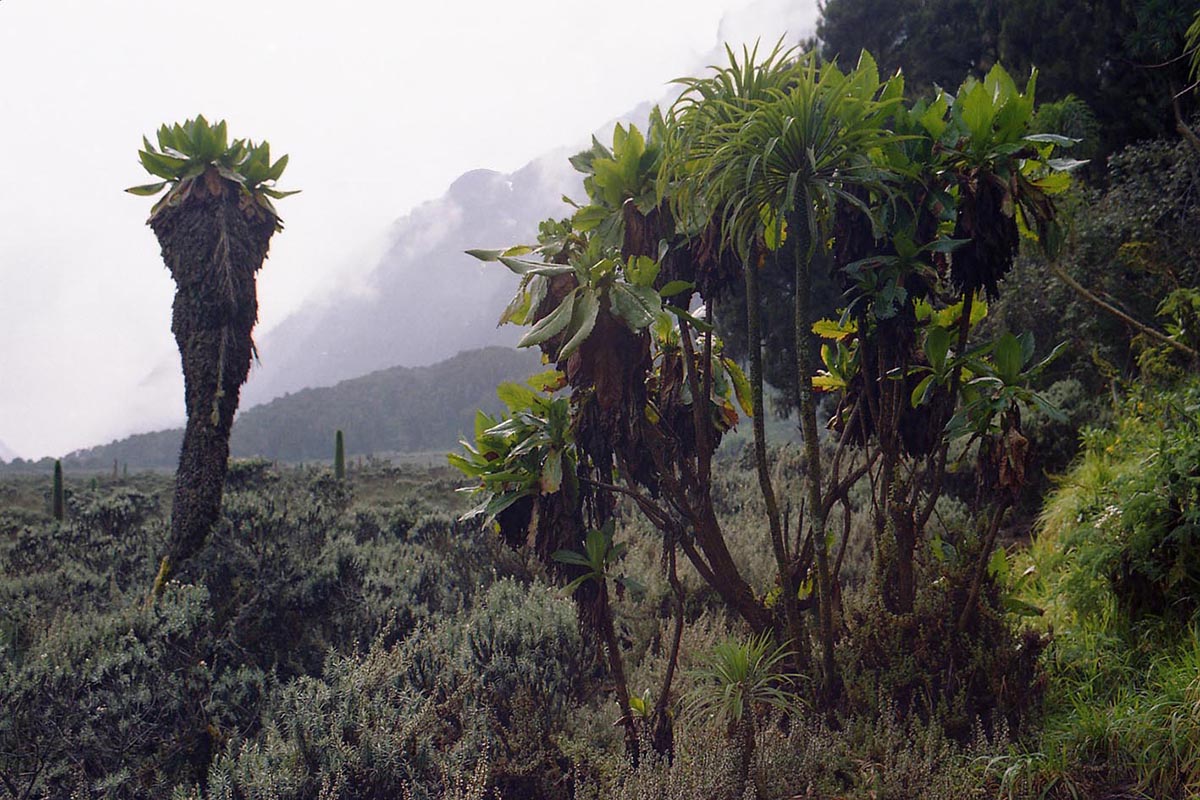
x,y
765,163
775,169
214,224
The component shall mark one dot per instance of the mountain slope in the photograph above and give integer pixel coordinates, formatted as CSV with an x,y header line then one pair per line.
x,y
402,409
426,299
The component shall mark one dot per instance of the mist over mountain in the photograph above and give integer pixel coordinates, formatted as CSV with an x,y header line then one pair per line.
x,y
6,452
397,410
426,299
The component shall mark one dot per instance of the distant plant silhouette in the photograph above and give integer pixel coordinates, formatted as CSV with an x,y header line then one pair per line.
x,y
339,456
56,502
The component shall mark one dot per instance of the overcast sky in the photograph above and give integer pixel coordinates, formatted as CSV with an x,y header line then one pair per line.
x,y
379,104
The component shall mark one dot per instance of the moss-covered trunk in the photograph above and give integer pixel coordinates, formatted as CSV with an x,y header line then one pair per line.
x,y
800,222
213,248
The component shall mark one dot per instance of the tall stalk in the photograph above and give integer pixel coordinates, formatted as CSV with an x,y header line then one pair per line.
x,y
778,544
800,224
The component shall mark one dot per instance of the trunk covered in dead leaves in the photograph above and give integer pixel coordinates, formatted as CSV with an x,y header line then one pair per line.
x,y
214,245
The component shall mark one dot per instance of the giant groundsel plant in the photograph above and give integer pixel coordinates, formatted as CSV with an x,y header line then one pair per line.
x,y
919,208
214,224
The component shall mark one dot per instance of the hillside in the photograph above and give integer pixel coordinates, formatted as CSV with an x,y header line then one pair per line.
x,y
425,300
402,409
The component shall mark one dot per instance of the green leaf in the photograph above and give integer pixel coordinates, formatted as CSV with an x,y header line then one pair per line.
x,y
589,218
1065,164
572,558
998,564
515,396
163,166
552,324
833,329
741,386
636,305
921,390
1008,358
933,120
486,255
583,320
548,381
1019,607
522,266
146,190
641,271
552,472
1052,138
675,287
975,107
937,348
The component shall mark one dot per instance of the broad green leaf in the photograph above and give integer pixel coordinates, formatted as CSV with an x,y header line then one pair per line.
x,y
515,396
937,348
833,329
163,166
825,382
921,390
1008,358
673,288
1014,605
998,564
500,502
641,271
571,557
552,472
549,381
975,107
518,309
638,306
1053,183
552,324
933,120
589,218
583,320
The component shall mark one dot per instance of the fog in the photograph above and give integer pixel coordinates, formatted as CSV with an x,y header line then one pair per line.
x,y
381,106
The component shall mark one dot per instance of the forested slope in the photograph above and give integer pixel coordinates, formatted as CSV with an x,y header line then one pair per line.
x,y
398,410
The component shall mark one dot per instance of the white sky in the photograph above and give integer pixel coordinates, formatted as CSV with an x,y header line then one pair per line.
x,y
379,104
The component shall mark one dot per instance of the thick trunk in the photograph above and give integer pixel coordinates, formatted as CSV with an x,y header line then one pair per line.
x,y
213,249
743,735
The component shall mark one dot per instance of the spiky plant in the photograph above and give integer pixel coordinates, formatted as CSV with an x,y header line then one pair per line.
x,y
778,167
736,681
214,224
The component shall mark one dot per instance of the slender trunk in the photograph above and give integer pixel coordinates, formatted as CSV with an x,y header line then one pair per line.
x,y
662,735
616,666
726,579
213,250
799,223
985,556
787,580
